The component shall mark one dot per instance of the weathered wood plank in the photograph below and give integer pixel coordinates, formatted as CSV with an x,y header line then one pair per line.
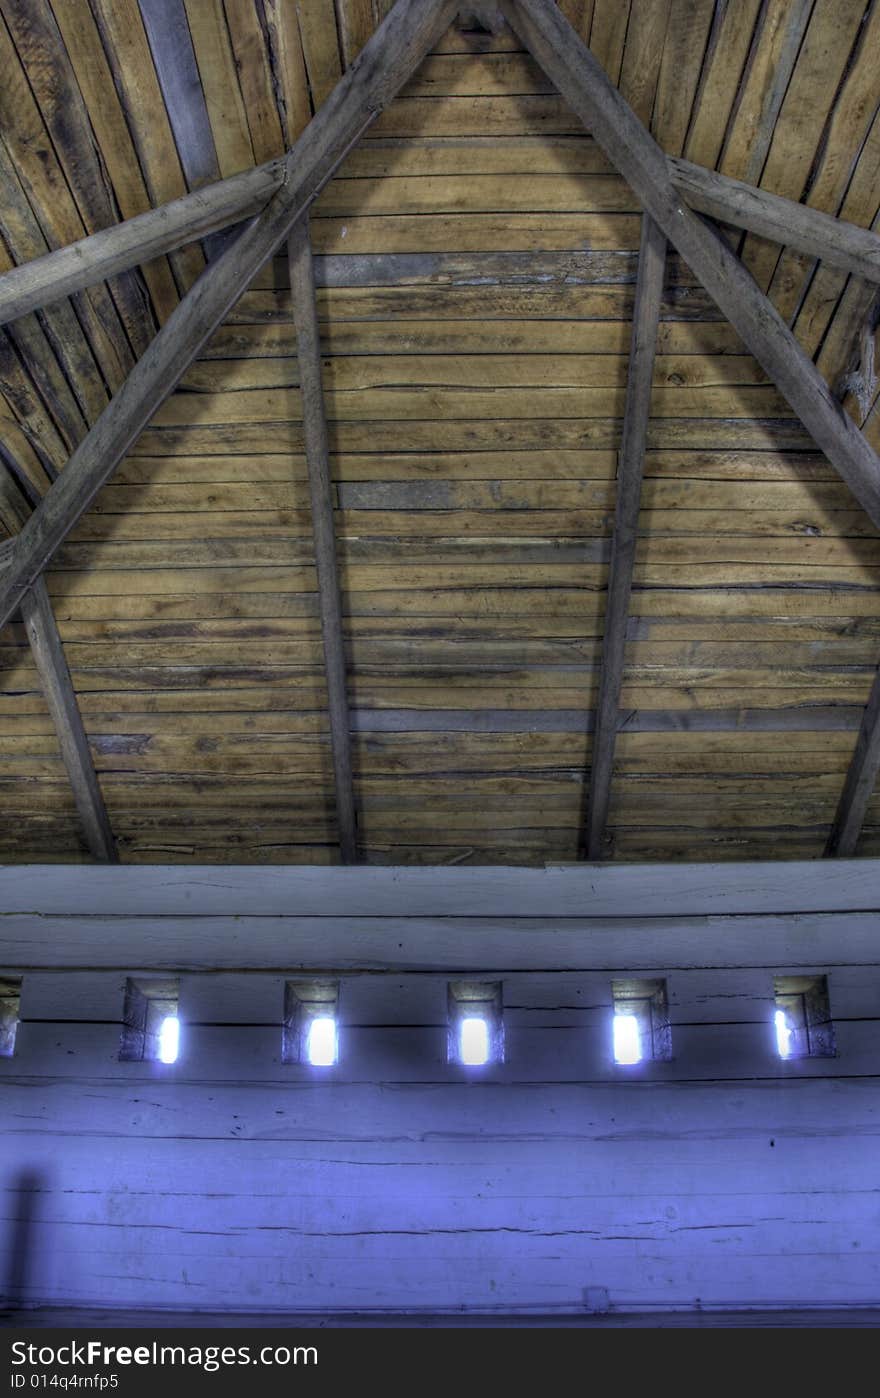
x,y
369,85
646,318
134,75
302,283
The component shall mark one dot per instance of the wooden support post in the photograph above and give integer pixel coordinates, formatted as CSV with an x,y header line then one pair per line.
x,y
381,68
646,319
632,150
48,653
861,779
308,345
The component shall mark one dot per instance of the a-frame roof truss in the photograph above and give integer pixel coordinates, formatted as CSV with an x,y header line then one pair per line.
x,y
669,191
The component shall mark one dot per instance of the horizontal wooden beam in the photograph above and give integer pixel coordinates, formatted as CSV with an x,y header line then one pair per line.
x,y
861,780
632,150
782,942
840,244
583,892
379,71
646,320
137,240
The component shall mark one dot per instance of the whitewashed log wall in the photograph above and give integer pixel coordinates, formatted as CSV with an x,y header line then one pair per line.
x,y
554,1183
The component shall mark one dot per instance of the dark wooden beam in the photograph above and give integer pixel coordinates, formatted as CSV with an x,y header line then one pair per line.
x,y
630,148
646,319
840,244
308,345
381,68
861,779
48,652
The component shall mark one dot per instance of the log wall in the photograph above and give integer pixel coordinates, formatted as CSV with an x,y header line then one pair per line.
x,y
555,1183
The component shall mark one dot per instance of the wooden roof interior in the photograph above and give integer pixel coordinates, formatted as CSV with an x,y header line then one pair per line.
x,y
476,260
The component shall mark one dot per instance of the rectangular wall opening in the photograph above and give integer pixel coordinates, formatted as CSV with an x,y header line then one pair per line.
x,y
151,1026
640,1024
10,1011
802,1017
476,1023
311,1023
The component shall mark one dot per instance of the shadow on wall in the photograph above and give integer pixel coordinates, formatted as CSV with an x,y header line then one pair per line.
x,y
24,1194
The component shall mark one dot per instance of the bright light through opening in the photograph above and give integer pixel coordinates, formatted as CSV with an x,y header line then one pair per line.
x,y
474,1041
321,1042
169,1039
783,1033
627,1048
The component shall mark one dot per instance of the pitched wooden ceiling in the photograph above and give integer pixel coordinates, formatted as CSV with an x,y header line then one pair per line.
x,y
476,264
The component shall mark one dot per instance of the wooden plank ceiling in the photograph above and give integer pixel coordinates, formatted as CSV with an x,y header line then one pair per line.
x,y
476,264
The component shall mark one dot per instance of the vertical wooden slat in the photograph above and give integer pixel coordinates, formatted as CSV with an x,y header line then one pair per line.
x,y
86,52
288,68
722,72
782,27
219,81
646,318
134,74
640,68
302,284
168,34
251,50
320,41
356,26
